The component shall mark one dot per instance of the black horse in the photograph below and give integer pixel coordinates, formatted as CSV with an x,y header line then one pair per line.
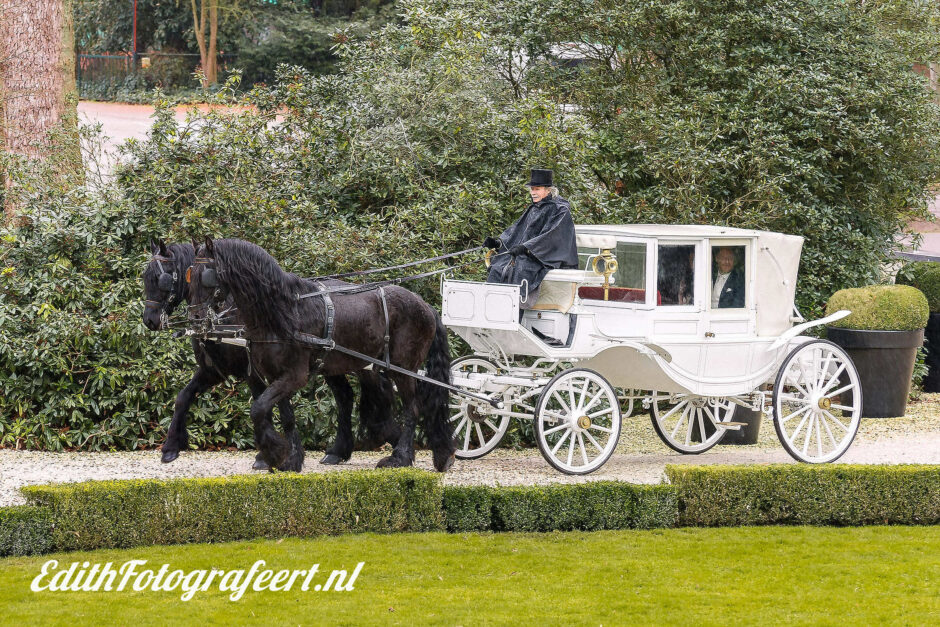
x,y
165,289
393,323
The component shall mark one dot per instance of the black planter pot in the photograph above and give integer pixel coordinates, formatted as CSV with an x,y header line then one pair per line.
x,y
932,333
885,364
746,434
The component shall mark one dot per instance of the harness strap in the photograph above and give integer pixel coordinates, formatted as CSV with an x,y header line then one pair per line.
x,y
385,311
404,265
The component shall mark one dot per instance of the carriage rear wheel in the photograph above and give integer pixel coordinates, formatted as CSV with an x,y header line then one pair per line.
x,y
688,423
477,429
817,402
577,421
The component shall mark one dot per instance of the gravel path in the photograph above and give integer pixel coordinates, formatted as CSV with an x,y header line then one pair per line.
x,y
640,458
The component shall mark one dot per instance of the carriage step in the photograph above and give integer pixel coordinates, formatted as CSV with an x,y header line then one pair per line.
x,y
731,425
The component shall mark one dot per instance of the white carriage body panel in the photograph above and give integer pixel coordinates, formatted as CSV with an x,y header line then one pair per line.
x,y
689,348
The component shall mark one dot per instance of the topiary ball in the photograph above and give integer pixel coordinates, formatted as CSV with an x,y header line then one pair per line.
x,y
881,308
925,276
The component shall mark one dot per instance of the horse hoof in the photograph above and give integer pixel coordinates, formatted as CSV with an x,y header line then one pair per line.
x,y
169,456
331,460
260,464
445,466
391,462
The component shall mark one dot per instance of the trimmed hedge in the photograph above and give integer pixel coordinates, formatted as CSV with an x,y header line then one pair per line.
x,y
25,530
117,514
881,308
925,276
787,494
587,506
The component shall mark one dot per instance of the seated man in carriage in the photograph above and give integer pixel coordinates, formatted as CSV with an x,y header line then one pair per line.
x,y
542,239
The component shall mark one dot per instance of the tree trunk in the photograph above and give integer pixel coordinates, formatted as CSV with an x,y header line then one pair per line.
x,y
206,15
37,76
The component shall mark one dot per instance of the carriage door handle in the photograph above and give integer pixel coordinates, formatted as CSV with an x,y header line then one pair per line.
x,y
709,334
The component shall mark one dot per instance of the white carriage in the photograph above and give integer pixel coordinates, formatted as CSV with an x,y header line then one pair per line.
x,y
641,321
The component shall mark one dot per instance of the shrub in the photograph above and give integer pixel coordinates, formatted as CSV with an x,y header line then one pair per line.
x,y
711,496
25,530
106,514
587,506
881,307
925,276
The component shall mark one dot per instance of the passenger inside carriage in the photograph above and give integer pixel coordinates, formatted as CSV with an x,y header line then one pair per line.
x,y
676,274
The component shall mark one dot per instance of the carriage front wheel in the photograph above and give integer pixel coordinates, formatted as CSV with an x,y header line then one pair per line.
x,y
477,429
817,402
577,421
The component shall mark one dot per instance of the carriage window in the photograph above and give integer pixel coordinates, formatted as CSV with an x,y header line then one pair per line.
x,y
727,277
628,283
676,274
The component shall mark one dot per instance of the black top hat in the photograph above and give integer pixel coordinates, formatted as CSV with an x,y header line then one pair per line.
x,y
541,178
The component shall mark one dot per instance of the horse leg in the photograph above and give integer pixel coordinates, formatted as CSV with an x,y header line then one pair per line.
x,y
377,424
342,448
404,452
295,461
274,448
257,387
177,438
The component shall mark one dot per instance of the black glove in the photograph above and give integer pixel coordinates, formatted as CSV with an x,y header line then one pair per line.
x,y
518,250
492,242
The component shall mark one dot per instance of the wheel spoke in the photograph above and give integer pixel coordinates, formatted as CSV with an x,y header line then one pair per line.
x,y
701,426
570,449
598,398
809,432
561,441
682,418
662,419
591,439
794,398
799,427
837,421
834,379
842,407
466,439
850,386
563,425
823,371
691,421
480,434
602,412
461,415
818,439
829,432
490,425
583,450
583,392
600,428
561,402
798,411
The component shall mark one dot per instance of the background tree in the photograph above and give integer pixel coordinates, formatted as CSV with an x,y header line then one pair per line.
x,y
37,79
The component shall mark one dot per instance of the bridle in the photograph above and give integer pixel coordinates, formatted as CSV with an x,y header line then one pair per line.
x,y
166,282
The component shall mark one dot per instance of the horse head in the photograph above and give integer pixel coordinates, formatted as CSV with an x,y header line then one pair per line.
x,y
164,288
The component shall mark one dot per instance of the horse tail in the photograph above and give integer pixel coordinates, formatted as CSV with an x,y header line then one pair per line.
x,y
434,400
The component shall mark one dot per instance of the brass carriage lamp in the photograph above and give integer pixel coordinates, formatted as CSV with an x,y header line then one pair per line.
x,y
610,266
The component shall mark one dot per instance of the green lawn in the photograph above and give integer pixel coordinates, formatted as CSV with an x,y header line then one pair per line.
x,y
797,575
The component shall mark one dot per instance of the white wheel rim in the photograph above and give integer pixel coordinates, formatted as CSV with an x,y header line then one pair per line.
x,y
683,418
476,429
578,422
816,410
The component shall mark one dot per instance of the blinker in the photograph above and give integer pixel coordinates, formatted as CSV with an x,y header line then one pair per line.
x,y
165,282
210,278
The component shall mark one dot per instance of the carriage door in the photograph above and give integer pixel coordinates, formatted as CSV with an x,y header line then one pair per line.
x,y
678,324
730,315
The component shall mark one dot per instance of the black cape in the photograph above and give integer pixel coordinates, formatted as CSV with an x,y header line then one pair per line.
x,y
547,231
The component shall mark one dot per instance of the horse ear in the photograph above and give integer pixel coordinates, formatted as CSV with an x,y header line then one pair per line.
x,y
154,246
195,244
163,251
209,246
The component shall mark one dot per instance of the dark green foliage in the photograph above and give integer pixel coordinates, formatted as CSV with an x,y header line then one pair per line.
x,y
25,530
925,276
587,506
880,307
797,494
103,514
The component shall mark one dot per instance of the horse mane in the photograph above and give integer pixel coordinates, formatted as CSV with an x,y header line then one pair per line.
x,y
263,292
